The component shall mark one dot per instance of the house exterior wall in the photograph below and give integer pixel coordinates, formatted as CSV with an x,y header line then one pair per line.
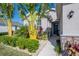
x,y
59,16
69,29
45,24
70,26
53,16
5,29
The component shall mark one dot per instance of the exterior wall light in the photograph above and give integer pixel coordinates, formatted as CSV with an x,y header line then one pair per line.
x,y
70,15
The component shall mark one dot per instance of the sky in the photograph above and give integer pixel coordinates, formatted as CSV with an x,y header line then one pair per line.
x,y
16,17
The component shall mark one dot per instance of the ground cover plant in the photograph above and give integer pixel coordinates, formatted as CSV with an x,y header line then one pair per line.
x,y
23,43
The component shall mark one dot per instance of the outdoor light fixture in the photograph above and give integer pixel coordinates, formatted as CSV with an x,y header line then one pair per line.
x,y
70,15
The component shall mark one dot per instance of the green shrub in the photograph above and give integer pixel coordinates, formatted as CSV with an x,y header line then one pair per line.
x,y
58,49
23,31
3,33
1,38
32,45
44,36
13,41
8,40
21,42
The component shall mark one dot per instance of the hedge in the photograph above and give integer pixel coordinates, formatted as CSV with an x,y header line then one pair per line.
x,y
3,33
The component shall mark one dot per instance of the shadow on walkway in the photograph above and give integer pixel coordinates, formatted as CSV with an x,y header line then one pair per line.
x,y
52,40
48,49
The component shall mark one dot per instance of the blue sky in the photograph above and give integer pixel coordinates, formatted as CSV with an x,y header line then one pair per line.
x,y
17,18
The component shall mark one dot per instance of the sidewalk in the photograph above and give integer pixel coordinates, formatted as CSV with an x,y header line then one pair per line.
x,y
48,49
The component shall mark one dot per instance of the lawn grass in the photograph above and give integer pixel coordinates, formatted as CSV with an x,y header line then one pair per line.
x,y
6,51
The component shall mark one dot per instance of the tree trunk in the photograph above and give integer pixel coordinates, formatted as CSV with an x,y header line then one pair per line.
x,y
9,27
32,29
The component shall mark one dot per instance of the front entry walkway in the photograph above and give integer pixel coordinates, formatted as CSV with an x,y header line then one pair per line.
x,y
48,49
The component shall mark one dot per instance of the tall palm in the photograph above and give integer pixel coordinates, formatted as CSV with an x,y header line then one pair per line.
x,y
7,10
33,16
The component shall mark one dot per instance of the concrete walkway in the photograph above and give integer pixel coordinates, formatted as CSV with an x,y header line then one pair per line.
x,y
48,49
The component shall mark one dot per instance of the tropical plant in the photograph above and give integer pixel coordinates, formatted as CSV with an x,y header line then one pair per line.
x,y
44,36
32,45
22,32
58,47
21,42
3,33
13,41
33,15
6,39
7,11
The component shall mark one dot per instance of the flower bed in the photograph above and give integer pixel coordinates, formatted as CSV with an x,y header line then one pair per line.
x,y
22,43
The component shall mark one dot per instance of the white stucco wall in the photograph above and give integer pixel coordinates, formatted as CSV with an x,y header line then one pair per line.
x,y
5,28
45,23
53,15
70,26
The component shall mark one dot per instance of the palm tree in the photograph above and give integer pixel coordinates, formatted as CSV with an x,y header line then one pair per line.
x,y
33,16
7,10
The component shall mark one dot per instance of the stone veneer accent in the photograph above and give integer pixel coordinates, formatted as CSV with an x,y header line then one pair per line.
x,y
72,39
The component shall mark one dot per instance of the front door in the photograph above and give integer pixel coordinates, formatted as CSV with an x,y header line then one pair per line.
x,y
55,28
